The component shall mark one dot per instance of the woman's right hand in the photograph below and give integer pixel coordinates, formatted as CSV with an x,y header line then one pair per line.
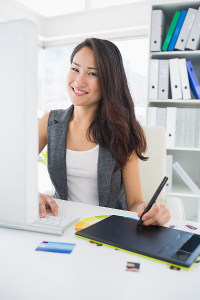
x,y
45,202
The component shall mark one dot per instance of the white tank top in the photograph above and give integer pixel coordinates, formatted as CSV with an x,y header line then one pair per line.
x,y
82,175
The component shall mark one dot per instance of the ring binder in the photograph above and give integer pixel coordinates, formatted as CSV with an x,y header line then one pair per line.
x,y
193,42
185,30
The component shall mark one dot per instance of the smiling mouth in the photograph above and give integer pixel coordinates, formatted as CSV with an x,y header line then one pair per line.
x,y
79,92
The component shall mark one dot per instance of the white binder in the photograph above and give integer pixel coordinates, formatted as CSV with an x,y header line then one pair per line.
x,y
187,127
193,41
161,117
184,79
184,126
185,30
169,163
171,127
153,79
157,30
180,126
192,128
175,79
163,80
151,116
197,131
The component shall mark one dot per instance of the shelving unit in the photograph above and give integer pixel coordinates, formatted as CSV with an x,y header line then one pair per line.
x,y
188,158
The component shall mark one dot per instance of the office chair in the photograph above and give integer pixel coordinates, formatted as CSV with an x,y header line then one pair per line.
x,y
153,170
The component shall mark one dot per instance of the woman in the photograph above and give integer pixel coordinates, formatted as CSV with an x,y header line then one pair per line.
x,y
94,146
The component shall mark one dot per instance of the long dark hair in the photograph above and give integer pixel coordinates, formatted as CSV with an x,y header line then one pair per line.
x,y
115,126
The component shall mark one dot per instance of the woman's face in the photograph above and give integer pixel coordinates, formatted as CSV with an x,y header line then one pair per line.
x,y
82,79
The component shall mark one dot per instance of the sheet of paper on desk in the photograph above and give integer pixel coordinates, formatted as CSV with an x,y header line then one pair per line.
x,y
56,247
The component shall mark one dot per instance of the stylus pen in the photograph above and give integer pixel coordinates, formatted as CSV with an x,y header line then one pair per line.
x,y
153,199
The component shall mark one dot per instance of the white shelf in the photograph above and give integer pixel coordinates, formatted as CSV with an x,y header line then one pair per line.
x,y
181,101
192,103
183,149
183,194
179,190
176,53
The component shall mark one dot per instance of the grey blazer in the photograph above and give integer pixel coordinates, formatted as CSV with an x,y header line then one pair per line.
x,y
110,186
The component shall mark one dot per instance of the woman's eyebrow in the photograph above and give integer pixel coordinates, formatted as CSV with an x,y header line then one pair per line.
x,y
92,68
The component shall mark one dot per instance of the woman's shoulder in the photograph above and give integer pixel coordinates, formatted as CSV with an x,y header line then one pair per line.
x,y
59,115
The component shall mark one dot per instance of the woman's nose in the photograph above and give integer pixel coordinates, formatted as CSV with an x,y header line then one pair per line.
x,y
80,80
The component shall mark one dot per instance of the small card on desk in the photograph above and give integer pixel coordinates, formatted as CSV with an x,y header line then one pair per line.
x,y
56,247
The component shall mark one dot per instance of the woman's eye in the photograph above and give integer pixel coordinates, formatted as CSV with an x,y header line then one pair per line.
x,y
93,74
74,69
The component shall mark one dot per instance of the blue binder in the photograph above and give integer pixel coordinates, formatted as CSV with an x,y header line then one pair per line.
x,y
177,30
193,79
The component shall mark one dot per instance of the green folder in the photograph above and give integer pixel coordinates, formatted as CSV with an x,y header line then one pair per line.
x,y
171,30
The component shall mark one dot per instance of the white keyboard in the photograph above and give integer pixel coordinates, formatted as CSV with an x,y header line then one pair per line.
x,y
52,224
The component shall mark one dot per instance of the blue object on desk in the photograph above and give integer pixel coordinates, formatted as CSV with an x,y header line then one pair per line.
x,y
56,247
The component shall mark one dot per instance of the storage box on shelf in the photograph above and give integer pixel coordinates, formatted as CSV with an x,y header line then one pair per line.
x,y
178,114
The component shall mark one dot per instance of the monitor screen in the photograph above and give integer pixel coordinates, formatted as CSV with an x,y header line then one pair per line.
x,y
18,122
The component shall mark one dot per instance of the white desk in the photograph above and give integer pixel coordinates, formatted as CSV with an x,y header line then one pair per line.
x,y
89,272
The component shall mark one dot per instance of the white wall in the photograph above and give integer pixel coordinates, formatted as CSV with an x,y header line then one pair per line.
x,y
128,19
106,19
12,10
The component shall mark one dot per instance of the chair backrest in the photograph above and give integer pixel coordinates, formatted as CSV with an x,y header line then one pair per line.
x,y
153,170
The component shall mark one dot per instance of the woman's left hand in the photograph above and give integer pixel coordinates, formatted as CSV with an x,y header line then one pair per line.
x,y
157,215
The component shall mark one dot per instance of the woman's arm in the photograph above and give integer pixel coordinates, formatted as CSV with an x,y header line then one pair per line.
x,y
43,132
45,200
132,185
158,214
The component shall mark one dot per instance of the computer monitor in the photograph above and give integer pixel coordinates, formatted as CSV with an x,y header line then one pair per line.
x,y
18,123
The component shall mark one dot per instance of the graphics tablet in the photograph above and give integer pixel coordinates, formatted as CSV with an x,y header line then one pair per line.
x,y
169,245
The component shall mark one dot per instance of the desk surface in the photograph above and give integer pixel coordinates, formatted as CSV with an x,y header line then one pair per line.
x,y
89,272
